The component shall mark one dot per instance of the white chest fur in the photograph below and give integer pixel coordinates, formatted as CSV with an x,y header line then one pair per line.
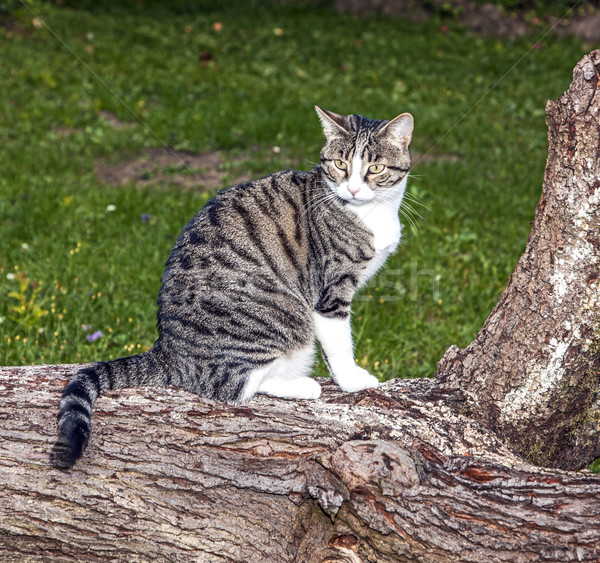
x,y
382,220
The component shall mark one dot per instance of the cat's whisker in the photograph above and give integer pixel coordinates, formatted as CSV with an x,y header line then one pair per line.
x,y
412,196
415,227
415,215
408,207
319,201
410,220
418,203
416,200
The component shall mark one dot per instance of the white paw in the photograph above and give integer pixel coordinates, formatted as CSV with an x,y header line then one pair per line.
x,y
304,388
356,379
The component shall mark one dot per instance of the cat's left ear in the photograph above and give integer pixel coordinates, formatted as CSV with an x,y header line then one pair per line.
x,y
400,129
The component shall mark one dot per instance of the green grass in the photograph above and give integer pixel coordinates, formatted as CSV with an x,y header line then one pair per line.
x,y
69,266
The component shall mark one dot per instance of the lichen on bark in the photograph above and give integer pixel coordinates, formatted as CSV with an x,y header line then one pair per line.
x,y
538,347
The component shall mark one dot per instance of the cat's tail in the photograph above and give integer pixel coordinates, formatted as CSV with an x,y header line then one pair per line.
x,y
74,417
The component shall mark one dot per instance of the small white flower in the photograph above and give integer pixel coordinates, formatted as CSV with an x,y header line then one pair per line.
x,y
10,276
24,246
1,320
111,207
276,150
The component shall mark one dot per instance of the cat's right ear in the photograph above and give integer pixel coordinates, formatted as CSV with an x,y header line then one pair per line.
x,y
333,123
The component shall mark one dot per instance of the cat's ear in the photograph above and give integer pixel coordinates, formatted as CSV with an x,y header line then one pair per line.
x,y
400,129
334,125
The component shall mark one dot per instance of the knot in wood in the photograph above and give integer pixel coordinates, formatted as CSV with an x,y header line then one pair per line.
x,y
360,464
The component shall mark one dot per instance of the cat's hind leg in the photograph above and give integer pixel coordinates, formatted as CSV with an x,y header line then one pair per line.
x,y
287,377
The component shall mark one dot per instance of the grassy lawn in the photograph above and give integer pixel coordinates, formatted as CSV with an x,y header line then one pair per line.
x,y
78,256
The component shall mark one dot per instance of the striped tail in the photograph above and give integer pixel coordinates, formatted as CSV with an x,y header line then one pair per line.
x,y
74,417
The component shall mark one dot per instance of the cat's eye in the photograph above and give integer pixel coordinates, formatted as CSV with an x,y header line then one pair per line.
x,y
376,168
340,164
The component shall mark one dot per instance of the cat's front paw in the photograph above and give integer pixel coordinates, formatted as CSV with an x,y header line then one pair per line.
x,y
356,379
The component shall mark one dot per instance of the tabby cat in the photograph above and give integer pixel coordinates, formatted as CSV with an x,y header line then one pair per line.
x,y
258,273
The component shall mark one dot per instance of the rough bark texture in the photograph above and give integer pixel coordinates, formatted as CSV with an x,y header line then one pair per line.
x,y
533,372
418,470
396,474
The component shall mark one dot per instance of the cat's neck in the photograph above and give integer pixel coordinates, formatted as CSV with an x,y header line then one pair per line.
x,y
381,218
382,214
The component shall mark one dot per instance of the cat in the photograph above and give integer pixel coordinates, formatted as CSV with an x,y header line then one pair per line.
x,y
259,272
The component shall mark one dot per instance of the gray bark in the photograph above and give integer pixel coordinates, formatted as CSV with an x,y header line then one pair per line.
x,y
397,474
532,375
436,470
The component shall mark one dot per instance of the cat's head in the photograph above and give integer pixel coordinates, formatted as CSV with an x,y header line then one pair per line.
x,y
365,159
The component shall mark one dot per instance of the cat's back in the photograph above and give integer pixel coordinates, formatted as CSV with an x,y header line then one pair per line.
x,y
258,226
274,202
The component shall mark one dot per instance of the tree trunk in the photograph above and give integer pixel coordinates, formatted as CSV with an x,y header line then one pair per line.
x,y
429,470
532,375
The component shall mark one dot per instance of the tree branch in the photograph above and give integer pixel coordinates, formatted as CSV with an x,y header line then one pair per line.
x,y
395,474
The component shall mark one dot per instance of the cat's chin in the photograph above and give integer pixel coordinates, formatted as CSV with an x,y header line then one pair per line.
x,y
358,202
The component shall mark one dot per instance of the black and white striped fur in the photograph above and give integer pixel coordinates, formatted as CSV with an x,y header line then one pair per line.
x,y
259,273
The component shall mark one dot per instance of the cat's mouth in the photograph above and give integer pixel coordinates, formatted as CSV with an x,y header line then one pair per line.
x,y
354,201
358,198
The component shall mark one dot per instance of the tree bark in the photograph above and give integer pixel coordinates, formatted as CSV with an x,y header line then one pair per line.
x,y
532,375
432,470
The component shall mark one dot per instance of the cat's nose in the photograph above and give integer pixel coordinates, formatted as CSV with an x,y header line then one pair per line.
x,y
353,190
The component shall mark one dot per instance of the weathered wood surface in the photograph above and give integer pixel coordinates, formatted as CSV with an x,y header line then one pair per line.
x,y
539,350
396,474
418,470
